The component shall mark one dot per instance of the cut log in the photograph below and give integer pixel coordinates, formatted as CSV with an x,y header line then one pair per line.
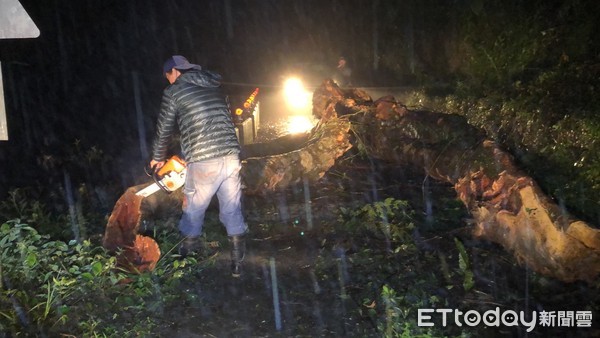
x,y
123,223
135,252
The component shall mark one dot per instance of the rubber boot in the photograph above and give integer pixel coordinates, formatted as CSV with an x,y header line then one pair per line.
x,y
238,251
189,245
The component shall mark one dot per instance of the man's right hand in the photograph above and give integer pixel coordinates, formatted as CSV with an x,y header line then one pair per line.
x,y
155,165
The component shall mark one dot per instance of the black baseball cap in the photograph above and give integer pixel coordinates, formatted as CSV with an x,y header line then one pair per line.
x,y
178,62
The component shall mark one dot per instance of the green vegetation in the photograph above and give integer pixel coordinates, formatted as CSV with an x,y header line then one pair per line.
x,y
51,287
463,264
396,278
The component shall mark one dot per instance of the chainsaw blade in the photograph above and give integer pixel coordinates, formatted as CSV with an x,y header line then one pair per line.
x,y
149,190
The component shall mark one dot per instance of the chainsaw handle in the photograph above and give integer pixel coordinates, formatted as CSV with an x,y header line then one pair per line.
x,y
149,170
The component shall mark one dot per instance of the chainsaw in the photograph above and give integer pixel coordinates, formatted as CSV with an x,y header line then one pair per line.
x,y
168,178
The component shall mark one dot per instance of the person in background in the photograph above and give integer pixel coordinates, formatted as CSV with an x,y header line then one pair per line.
x,y
343,73
194,105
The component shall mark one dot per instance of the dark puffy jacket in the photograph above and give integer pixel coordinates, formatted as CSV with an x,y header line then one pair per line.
x,y
194,105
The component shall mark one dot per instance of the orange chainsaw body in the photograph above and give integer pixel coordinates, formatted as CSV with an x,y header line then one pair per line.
x,y
174,164
170,177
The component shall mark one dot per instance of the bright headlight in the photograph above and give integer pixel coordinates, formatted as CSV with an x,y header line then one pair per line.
x,y
296,95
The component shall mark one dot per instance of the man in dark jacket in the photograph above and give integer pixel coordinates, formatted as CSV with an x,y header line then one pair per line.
x,y
343,73
194,105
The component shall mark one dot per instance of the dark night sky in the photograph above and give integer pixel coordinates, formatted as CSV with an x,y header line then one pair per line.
x,y
99,38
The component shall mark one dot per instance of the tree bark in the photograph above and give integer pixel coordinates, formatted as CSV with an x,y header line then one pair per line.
x,y
328,141
507,205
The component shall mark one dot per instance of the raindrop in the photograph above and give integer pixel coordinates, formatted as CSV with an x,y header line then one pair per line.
x,y
274,288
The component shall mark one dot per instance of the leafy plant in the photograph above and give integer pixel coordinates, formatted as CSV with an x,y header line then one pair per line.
x,y
464,266
390,219
397,321
25,204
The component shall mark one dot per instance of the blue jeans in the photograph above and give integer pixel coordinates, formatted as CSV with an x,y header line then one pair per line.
x,y
202,181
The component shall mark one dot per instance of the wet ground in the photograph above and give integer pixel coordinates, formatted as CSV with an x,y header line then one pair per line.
x,y
282,254
222,306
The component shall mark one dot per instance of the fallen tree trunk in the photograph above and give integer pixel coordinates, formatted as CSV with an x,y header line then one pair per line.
x,y
507,205
328,141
